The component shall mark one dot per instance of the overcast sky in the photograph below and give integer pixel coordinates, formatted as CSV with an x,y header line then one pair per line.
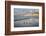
x,y
24,10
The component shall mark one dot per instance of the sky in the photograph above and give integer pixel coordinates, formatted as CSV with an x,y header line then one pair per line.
x,y
24,10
